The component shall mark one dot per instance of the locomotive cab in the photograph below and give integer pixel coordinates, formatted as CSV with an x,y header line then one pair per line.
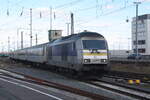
x,y
94,52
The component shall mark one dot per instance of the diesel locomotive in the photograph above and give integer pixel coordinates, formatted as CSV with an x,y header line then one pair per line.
x,y
82,52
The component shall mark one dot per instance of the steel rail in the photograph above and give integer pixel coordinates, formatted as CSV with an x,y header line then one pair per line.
x,y
128,91
129,75
77,91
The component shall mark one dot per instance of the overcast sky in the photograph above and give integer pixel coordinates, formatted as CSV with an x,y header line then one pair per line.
x,y
107,17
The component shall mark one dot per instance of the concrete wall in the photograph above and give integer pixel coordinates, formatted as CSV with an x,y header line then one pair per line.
x,y
120,53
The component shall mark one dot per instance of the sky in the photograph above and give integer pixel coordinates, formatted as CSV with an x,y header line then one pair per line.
x,y
107,17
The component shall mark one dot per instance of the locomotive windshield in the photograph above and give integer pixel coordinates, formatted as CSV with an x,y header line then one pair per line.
x,y
94,44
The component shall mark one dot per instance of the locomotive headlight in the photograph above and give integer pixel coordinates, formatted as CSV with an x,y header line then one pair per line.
x,y
103,60
86,60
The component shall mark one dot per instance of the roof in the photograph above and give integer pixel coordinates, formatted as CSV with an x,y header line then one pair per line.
x,y
70,37
79,35
143,17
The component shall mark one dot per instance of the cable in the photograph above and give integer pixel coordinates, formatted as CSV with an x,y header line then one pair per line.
x,y
88,8
68,4
73,3
111,12
117,10
120,9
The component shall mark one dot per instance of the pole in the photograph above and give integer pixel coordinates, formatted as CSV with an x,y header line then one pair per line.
x,y
30,27
22,40
72,24
51,18
128,45
36,39
2,47
67,28
8,44
17,38
136,31
14,44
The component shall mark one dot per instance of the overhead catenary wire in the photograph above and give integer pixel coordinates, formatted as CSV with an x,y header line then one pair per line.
x,y
87,9
59,6
108,13
84,10
70,4
111,12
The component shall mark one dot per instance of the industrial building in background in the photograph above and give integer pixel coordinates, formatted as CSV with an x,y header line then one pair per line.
x,y
143,34
143,38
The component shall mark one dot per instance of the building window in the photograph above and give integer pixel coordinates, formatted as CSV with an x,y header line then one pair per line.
x,y
142,50
140,42
134,42
134,50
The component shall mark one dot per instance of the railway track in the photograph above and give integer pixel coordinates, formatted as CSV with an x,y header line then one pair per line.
x,y
145,78
77,91
122,89
135,93
118,83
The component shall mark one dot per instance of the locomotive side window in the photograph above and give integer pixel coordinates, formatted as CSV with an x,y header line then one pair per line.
x,y
94,44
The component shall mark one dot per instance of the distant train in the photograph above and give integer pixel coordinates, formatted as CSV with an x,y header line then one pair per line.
x,y
82,52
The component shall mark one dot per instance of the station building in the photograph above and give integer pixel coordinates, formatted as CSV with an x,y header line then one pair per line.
x,y
143,34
